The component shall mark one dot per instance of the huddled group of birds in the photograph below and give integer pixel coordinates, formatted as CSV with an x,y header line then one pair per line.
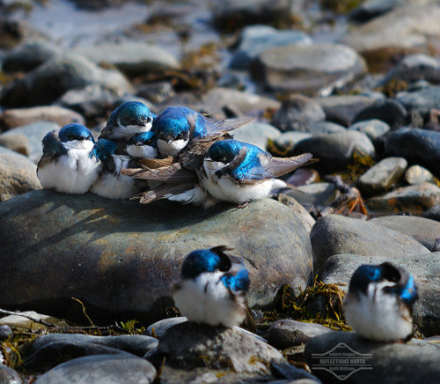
x,y
378,306
179,155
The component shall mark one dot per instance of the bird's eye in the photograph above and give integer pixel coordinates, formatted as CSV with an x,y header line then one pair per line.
x,y
179,136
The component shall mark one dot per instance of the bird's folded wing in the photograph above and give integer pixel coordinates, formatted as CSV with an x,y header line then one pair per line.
x,y
52,148
156,163
227,125
279,166
170,174
162,191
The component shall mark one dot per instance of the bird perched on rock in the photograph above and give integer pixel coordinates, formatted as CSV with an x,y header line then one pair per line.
x,y
230,171
111,183
380,301
142,146
68,164
175,127
212,288
127,120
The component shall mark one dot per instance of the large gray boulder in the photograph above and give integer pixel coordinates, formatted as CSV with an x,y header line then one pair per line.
x,y
121,256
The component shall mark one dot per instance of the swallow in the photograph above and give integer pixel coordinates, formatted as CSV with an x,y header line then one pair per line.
x,y
127,120
68,164
111,183
212,288
230,171
379,303
175,127
142,146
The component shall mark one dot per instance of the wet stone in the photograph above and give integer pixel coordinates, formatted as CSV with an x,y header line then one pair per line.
x,y
5,332
315,193
230,351
414,68
159,328
297,113
48,350
34,133
424,230
414,362
389,111
417,146
335,150
326,127
285,143
382,176
12,118
422,101
342,109
8,375
131,58
100,369
336,234
17,174
372,9
307,69
287,333
414,199
49,81
372,128
123,257
15,142
425,268
255,39
29,56
417,175
257,133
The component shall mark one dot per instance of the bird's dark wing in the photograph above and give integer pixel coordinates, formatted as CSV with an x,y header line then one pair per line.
x,y
170,174
52,148
279,166
156,163
193,154
161,191
221,126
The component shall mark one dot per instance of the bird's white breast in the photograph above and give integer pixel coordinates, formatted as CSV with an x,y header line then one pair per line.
x,y
116,185
71,173
128,131
378,316
172,148
142,151
226,189
206,300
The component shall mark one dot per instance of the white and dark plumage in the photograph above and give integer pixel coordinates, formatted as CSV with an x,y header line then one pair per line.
x,y
212,288
175,127
229,170
111,183
68,164
379,302
127,120
142,146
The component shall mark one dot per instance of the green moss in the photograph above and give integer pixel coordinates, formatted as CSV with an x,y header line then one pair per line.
x,y
340,6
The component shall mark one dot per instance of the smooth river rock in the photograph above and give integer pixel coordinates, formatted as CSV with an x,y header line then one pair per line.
x,y
346,357
122,257
335,234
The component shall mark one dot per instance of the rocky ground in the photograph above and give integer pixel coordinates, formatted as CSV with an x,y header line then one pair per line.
x,y
357,83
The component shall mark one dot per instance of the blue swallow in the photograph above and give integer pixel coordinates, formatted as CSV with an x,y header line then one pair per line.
x,y
239,172
379,303
230,171
128,119
111,183
142,146
212,288
68,164
175,127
